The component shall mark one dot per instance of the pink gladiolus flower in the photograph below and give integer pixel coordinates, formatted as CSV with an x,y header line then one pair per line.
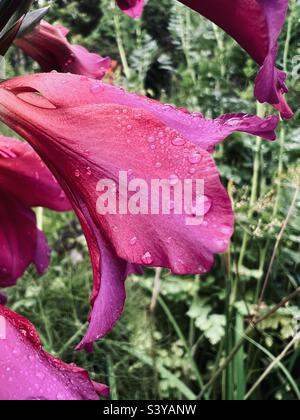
x,y
3,299
132,8
87,131
25,182
48,45
256,26
27,372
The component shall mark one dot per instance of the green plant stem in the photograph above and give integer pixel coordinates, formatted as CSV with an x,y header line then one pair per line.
x,y
185,25
280,167
164,372
182,339
192,329
156,289
72,340
284,370
221,48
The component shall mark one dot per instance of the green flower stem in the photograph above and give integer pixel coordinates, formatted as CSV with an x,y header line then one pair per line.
x,y
270,368
240,343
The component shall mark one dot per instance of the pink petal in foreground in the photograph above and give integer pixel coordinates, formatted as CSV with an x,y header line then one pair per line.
x,y
132,8
27,372
84,142
256,26
25,182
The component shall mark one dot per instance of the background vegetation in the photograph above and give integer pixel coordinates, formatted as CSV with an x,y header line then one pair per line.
x,y
200,336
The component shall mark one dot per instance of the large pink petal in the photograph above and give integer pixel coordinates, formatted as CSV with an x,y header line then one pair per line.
x,y
132,8
27,372
256,26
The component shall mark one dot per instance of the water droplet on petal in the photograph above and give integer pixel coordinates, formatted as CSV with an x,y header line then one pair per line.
x,y
147,258
264,125
133,240
77,173
178,141
195,157
96,88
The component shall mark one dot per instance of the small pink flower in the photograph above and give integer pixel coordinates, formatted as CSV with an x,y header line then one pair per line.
x,y
29,373
87,131
25,182
48,45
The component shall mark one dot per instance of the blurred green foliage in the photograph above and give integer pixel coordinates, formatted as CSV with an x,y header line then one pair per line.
x,y
174,55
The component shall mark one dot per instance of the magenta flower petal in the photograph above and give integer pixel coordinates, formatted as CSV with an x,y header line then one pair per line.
x,y
29,373
256,26
24,182
48,45
95,133
132,8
